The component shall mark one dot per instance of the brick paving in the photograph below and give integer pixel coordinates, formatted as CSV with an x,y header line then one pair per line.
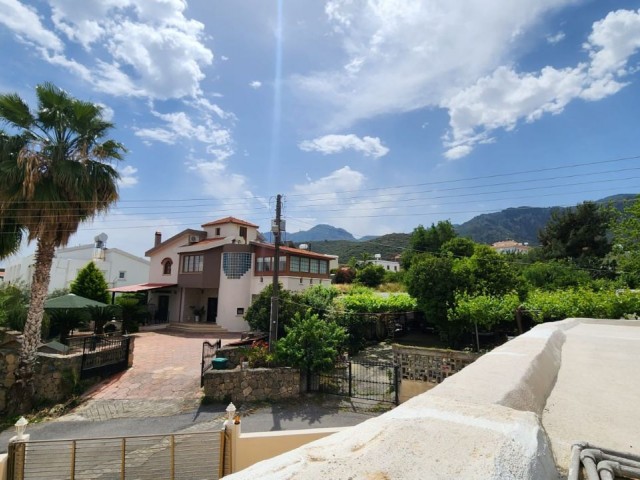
x,y
164,380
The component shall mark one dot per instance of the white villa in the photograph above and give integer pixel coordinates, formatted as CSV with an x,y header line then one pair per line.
x,y
220,269
119,268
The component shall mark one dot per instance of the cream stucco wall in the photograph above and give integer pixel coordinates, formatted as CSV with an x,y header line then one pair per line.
x,y
254,447
233,294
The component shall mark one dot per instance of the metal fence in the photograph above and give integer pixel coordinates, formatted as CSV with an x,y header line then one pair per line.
x,y
208,353
104,355
187,456
377,381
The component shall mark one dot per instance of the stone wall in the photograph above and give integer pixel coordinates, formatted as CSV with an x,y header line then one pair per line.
x,y
57,377
431,365
250,385
232,354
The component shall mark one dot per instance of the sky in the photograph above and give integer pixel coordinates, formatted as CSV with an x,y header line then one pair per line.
x,y
375,116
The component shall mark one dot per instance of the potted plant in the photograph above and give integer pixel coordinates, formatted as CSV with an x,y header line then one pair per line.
x,y
198,312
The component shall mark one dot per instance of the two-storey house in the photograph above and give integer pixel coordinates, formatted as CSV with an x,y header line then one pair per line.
x,y
213,274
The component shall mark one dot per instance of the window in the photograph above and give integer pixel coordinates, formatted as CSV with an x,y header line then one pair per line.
x,y
217,231
122,275
294,264
314,265
240,311
235,265
243,233
323,267
166,266
192,263
282,265
304,264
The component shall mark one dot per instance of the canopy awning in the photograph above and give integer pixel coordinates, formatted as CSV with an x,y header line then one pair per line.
x,y
141,287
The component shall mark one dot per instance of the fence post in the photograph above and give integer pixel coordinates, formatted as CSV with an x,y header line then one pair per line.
x,y
16,457
396,382
350,380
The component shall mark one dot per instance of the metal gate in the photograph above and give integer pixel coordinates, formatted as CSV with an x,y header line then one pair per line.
x,y
359,379
183,456
208,353
104,355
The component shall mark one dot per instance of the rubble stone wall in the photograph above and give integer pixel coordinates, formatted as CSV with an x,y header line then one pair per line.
x,y
252,384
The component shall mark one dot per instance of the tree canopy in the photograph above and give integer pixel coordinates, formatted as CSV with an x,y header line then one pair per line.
x,y
56,173
90,283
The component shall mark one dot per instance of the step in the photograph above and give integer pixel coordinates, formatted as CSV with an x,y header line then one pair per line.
x,y
196,328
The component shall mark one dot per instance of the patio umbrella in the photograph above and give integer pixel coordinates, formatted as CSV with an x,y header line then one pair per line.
x,y
70,300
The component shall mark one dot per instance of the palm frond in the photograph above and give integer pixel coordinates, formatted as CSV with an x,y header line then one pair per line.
x,y
15,112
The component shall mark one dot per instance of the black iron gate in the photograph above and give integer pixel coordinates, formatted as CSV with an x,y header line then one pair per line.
x,y
208,353
102,356
377,381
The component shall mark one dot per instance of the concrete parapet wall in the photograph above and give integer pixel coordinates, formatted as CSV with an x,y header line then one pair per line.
x,y
484,422
251,385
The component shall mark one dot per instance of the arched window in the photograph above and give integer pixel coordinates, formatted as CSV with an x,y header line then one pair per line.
x,y
166,266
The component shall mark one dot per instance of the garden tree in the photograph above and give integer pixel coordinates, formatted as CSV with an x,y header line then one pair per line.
x,y
90,283
554,274
319,298
578,233
459,247
132,310
431,280
102,315
259,312
344,275
63,321
55,175
371,275
311,343
14,301
488,272
626,244
427,241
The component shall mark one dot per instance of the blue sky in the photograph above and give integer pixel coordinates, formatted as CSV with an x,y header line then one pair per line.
x,y
374,116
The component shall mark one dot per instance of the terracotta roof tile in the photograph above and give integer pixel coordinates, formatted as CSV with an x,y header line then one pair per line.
x,y
230,220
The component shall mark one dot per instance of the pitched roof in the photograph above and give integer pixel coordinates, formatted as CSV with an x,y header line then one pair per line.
x,y
298,251
188,231
230,220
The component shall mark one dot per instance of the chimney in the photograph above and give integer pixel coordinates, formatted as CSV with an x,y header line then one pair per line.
x,y
158,239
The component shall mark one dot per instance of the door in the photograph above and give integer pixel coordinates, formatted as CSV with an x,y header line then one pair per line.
x,y
162,315
212,309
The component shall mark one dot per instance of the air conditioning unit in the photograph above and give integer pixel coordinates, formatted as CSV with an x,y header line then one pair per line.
x,y
193,239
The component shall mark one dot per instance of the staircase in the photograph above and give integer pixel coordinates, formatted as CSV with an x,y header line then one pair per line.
x,y
201,327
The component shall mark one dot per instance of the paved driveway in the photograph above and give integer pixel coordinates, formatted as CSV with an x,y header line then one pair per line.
x,y
164,380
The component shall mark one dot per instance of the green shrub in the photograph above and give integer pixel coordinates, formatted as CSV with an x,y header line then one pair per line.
x,y
311,343
371,275
485,310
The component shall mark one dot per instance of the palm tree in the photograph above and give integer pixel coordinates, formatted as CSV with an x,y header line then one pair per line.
x,y
55,175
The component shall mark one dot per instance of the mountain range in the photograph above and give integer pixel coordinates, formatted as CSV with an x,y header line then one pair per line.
x,y
521,224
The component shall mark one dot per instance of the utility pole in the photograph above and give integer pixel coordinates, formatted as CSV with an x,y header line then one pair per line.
x,y
276,229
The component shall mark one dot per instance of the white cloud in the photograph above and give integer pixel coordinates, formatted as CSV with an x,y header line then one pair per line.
x,y
25,22
326,190
179,126
107,112
229,189
144,48
401,56
224,58
502,99
557,38
127,176
330,144
255,84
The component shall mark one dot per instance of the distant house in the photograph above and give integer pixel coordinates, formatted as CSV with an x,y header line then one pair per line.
x,y
510,246
215,273
1,275
119,268
390,265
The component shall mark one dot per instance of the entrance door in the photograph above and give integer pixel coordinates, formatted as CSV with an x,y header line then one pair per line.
x,y
212,309
163,308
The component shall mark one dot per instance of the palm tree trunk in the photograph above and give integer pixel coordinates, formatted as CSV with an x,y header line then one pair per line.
x,y
21,394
